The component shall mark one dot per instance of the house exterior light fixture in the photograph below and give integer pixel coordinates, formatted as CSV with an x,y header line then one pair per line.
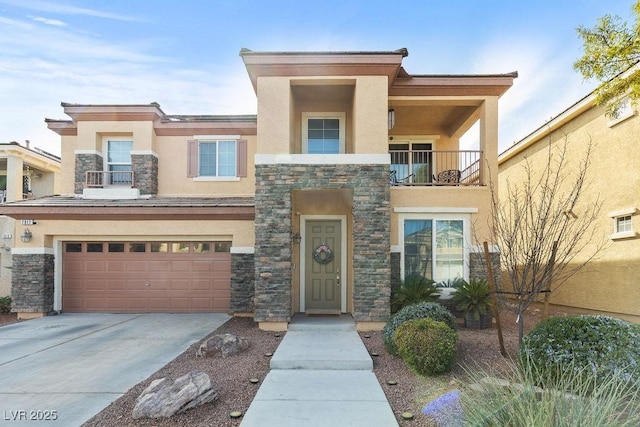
x,y
26,235
296,238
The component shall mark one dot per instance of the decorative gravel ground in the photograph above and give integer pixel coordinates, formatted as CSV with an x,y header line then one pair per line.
x,y
410,393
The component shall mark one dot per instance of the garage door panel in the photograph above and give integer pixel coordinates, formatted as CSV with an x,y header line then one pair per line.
x,y
222,266
116,284
221,304
136,304
180,265
73,266
201,304
179,284
94,303
202,265
117,281
221,284
181,304
201,285
94,285
116,266
159,304
74,285
158,266
94,266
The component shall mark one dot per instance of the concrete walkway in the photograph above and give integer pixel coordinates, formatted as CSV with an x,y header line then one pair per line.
x,y
321,375
62,370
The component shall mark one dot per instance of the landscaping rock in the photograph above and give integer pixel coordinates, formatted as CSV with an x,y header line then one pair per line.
x,y
225,344
164,397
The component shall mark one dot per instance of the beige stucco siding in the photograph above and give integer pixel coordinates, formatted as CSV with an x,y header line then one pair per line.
x,y
370,115
173,179
274,115
608,283
240,233
280,110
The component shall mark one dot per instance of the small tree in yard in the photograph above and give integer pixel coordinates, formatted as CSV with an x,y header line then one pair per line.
x,y
542,223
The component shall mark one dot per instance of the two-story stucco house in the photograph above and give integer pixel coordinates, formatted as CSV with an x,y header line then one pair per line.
x,y
349,177
25,173
608,283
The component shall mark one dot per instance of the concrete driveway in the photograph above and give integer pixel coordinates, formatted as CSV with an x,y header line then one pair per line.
x,y
62,370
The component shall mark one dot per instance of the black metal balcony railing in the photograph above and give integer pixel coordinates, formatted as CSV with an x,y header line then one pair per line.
x,y
100,179
429,167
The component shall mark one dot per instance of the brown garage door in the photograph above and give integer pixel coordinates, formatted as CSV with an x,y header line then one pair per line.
x,y
140,277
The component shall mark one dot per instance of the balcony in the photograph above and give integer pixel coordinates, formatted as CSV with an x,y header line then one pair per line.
x,y
435,168
110,185
102,179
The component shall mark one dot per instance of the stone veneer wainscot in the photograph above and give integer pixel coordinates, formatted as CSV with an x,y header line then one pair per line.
x,y
32,283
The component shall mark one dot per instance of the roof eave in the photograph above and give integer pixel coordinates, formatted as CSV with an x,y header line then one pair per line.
x,y
307,64
584,104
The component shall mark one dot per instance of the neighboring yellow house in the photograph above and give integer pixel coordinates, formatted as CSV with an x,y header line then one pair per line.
x,y
349,177
607,284
25,173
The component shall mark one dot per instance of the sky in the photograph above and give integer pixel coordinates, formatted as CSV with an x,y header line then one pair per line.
x,y
184,54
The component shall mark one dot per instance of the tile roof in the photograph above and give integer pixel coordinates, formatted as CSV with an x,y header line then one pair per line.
x,y
155,208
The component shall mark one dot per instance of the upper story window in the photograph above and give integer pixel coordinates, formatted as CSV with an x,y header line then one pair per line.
x,y
222,158
623,110
623,223
323,133
118,161
217,158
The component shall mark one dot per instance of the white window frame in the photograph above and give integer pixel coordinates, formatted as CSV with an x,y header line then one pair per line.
x,y
209,140
626,109
342,117
466,235
105,149
619,215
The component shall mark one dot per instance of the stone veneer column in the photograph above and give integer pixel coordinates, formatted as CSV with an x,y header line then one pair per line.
x,y
85,163
243,272
32,285
396,271
272,300
478,267
371,235
371,244
145,168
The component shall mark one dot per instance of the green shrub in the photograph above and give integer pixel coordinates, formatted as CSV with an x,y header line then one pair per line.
x,y
473,298
598,346
426,345
517,401
412,290
423,310
5,304
451,283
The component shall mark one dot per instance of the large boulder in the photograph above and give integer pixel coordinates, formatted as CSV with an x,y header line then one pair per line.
x,y
165,397
225,344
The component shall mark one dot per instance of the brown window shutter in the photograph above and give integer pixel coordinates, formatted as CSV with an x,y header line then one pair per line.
x,y
242,157
192,158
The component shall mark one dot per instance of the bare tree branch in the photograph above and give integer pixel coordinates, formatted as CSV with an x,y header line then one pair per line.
x,y
545,228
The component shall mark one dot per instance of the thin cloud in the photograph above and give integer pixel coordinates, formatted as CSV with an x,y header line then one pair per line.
x,y
64,9
52,22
